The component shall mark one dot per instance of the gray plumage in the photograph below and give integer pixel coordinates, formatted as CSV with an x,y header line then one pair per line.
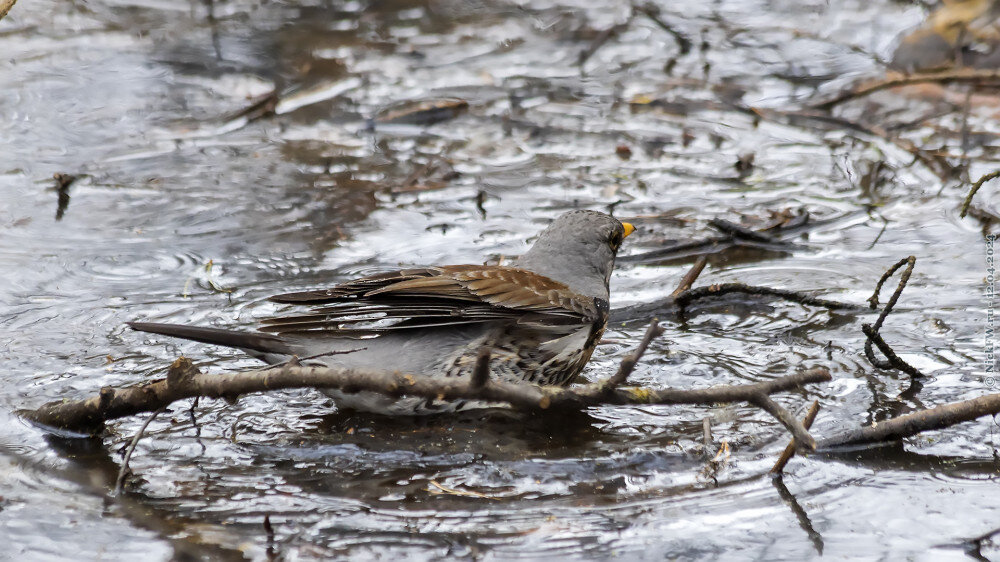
x,y
541,318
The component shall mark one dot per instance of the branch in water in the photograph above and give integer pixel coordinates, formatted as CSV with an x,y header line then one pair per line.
x,y
184,380
917,422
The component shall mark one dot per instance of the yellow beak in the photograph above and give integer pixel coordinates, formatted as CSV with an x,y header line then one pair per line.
x,y
629,229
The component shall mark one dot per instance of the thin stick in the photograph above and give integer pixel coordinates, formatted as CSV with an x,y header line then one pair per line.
x,y
652,12
893,360
944,77
917,422
739,231
603,37
871,331
714,290
269,533
628,363
481,372
975,187
873,300
691,276
706,435
789,451
797,429
131,448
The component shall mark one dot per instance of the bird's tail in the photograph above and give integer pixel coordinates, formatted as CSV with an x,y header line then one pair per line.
x,y
262,343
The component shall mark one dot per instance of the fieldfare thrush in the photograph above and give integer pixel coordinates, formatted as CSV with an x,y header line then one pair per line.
x,y
540,318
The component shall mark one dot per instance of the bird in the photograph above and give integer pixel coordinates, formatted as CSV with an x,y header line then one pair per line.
x,y
958,34
540,318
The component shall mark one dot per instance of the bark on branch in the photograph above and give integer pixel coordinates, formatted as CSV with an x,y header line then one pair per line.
x,y
917,422
978,77
964,209
185,381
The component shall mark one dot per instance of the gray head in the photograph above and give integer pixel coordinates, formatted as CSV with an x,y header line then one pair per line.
x,y
578,249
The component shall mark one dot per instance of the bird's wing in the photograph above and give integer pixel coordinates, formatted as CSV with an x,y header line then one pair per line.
x,y
436,296
353,289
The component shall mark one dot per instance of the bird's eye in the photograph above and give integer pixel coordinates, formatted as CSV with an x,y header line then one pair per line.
x,y
616,240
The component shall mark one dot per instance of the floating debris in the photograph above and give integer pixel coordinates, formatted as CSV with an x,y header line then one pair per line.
x,y
422,112
744,164
63,181
278,103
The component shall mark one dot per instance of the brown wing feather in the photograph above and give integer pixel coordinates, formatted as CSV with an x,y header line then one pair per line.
x,y
518,288
434,296
438,286
355,288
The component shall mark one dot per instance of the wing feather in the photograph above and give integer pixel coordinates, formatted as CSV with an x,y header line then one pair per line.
x,y
435,296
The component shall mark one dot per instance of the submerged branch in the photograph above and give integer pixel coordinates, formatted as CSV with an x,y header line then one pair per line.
x,y
685,298
184,380
628,363
917,422
797,429
789,451
943,77
691,276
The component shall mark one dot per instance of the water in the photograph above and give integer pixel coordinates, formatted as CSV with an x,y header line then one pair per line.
x,y
139,100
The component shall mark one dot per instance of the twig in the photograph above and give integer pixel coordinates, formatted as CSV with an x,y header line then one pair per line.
x,y
91,413
677,303
700,247
706,435
652,12
892,361
966,110
422,171
686,297
797,429
691,276
457,492
715,244
944,77
789,451
481,372
269,533
917,422
124,470
261,107
973,547
63,182
873,300
738,231
603,37
628,363
975,187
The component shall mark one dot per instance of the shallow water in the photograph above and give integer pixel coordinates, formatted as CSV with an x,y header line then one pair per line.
x,y
139,99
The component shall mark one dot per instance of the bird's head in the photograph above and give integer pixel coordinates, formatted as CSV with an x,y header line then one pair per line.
x,y
578,249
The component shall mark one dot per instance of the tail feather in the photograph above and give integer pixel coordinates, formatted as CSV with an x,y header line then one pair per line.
x,y
262,343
